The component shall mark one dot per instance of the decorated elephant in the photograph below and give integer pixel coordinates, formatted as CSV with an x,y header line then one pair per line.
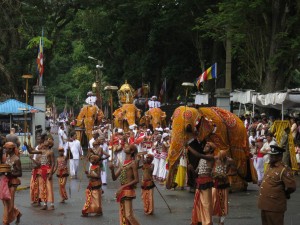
x,y
126,116
88,117
154,117
213,124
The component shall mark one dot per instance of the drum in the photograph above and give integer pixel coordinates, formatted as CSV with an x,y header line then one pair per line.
x,y
4,168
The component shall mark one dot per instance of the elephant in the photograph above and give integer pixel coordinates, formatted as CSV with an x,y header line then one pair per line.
x,y
88,117
126,116
213,124
154,117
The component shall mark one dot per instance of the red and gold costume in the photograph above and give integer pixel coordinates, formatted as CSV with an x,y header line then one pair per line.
x,y
127,193
45,185
34,185
10,212
62,174
147,192
93,192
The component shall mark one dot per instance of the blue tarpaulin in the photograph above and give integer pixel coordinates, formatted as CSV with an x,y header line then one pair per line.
x,y
15,107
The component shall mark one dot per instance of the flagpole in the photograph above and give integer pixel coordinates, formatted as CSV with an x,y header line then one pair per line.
x,y
165,89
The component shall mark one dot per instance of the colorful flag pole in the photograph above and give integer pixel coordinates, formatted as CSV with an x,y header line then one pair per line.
x,y
40,61
210,73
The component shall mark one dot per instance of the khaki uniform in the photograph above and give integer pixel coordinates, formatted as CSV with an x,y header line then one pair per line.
x,y
277,183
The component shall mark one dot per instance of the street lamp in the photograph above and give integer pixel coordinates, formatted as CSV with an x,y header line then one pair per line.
x,y
26,77
187,86
97,84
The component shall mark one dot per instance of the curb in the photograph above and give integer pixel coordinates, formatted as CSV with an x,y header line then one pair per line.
x,y
22,188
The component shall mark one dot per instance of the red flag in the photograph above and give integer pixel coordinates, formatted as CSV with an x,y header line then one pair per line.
x,y
40,62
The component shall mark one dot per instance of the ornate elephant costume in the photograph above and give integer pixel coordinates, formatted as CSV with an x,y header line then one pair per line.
x,y
216,125
88,116
154,117
126,116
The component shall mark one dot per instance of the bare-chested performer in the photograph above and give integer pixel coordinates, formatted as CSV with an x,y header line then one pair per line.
x,y
35,173
128,173
10,212
203,207
148,185
224,167
46,172
93,192
62,173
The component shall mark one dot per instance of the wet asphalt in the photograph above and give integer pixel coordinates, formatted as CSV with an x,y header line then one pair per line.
x,y
242,206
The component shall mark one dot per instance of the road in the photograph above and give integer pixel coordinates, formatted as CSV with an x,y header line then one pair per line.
x,y
242,207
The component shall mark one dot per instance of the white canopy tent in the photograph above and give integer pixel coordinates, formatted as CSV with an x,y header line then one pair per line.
x,y
278,100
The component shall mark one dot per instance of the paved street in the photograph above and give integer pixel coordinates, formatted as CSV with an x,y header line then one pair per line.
x,y
243,210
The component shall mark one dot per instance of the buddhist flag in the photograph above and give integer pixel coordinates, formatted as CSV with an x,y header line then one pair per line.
x,y
210,73
40,62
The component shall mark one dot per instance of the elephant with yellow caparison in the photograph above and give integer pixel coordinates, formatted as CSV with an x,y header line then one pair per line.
x,y
88,117
213,124
154,117
126,115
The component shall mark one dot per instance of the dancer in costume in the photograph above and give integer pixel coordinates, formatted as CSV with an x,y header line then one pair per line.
x,y
203,207
46,172
128,173
93,192
62,173
10,212
224,167
148,185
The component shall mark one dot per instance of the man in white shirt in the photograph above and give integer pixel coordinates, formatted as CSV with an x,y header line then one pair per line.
x,y
77,152
266,149
104,146
153,103
95,136
62,136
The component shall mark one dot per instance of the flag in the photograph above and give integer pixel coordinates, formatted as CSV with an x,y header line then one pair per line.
x,y
210,73
40,62
163,89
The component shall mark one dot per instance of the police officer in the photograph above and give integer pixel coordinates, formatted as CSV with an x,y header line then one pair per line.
x,y
277,185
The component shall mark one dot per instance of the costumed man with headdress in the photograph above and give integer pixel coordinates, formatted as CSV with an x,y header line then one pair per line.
x,y
35,173
148,185
224,167
11,181
62,173
128,173
93,203
203,205
46,171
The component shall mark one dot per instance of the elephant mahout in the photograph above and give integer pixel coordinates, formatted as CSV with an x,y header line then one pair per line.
x,y
126,115
213,124
154,117
88,117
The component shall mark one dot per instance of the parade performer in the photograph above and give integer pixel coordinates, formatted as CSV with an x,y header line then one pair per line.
x,y
157,146
46,172
163,157
224,167
181,172
258,162
128,173
10,212
148,185
266,149
277,185
35,173
62,173
93,192
203,207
